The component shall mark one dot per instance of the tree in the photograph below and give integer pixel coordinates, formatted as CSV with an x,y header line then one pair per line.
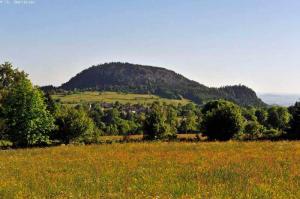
x,y
189,122
222,120
295,122
112,121
156,126
97,114
50,103
172,118
10,76
111,116
27,118
262,116
252,131
278,118
74,125
249,114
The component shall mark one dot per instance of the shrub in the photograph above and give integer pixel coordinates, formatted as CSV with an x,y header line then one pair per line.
x,y
156,125
252,131
278,118
74,126
261,116
222,120
294,132
189,122
4,144
249,114
272,134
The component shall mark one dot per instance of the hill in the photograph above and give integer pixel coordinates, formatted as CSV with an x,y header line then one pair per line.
x,y
111,97
132,78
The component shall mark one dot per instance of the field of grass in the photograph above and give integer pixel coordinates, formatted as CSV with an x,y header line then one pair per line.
x,y
139,138
153,170
93,96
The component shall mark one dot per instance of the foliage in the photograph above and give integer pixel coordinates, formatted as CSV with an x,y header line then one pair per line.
x,y
96,113
262,116
52,106
241,95
10,76
252,131
172,118
278,118
222,120
27,119
249,114
272,134
295,122
189,122
4,144
156,126
74,126
3,128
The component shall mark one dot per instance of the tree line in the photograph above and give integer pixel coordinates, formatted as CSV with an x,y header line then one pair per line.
x,y
29,117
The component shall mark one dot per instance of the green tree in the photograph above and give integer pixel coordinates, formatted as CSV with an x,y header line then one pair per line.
x,y
74,125
172,118
262,116
10,76
156,126
51,104
187,108
278,118
112,121
252,131
222,120
295,122
249,114
189,122
112,116
97,114
27,118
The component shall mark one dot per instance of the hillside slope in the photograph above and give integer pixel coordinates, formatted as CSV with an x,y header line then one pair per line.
x,y
132,78
112,97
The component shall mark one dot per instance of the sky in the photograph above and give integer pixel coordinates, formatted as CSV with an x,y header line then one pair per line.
x,y
215,42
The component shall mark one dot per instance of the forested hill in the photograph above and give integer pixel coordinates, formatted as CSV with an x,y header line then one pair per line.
x,y
126,77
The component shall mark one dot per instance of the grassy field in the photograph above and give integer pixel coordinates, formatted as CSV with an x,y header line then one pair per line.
x,y
113,97
153,170
139,138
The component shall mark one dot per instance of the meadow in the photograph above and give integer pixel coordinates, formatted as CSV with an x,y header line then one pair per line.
x,y
110,97
153,170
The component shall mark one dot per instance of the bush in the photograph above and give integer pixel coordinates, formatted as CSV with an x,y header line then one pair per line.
x,y
4,144
278,118
222,120
74,126
294,132
272,134
156,125
261,116
252,131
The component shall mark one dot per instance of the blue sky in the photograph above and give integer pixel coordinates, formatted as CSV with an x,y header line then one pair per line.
x,y
215,42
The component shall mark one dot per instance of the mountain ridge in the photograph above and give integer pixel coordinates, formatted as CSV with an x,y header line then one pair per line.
x,y
135,78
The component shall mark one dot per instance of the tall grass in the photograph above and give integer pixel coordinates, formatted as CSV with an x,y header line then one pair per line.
x,y
149,170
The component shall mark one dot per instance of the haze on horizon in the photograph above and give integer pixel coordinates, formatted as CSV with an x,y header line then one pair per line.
x,y
217,42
